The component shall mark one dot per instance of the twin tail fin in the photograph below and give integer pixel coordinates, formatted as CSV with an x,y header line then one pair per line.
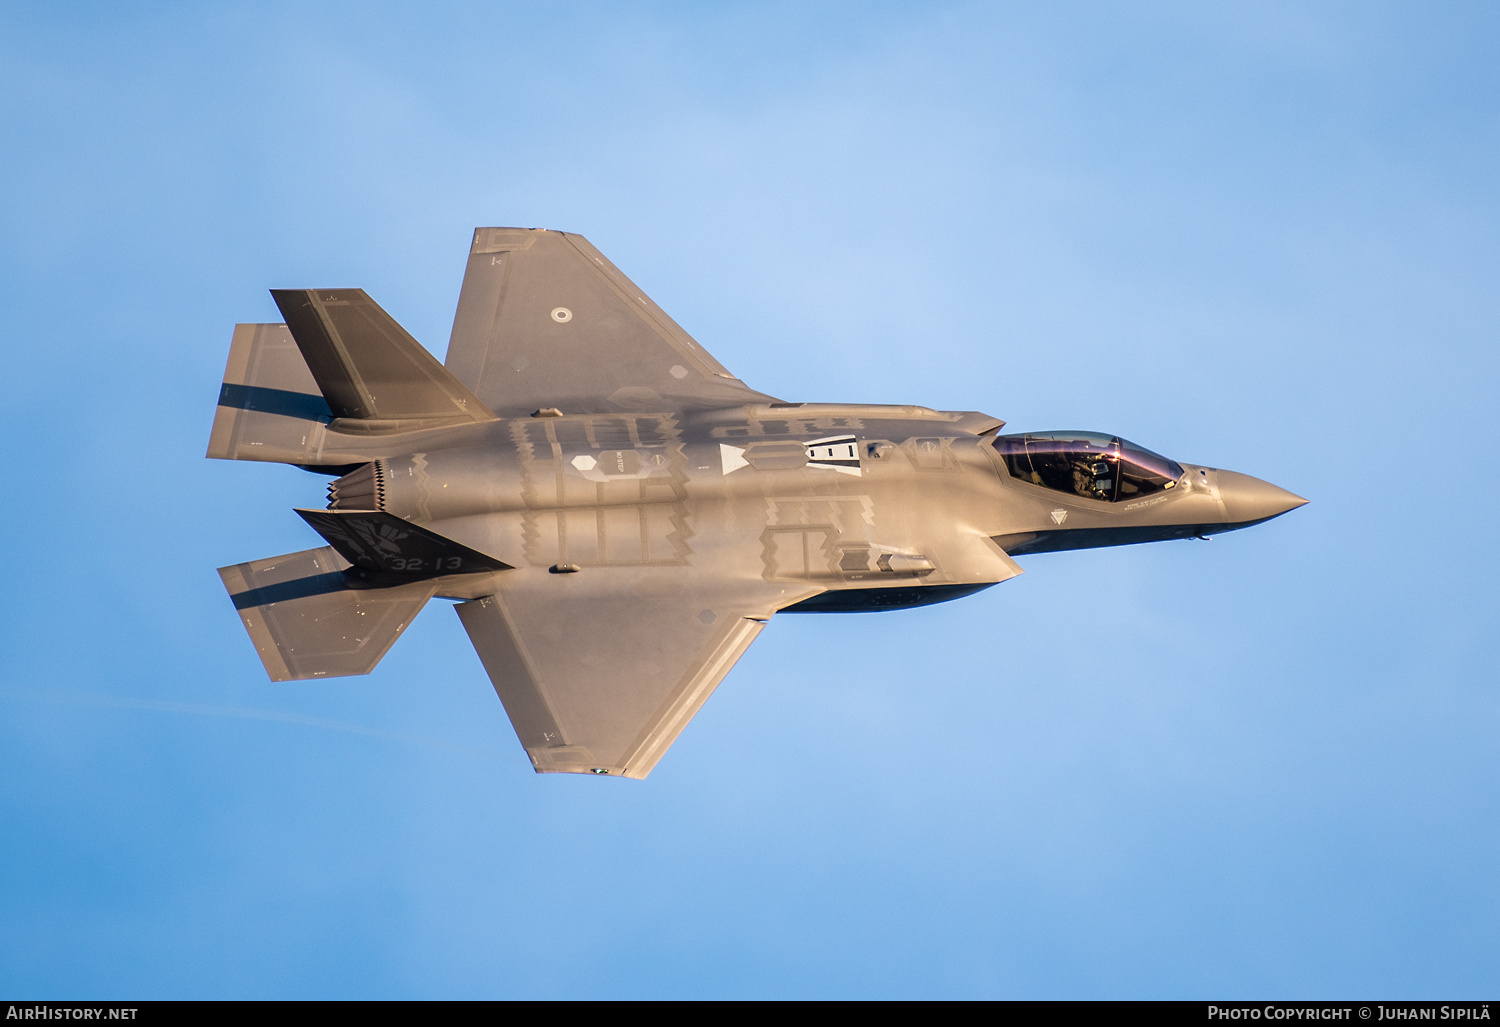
x,y
339,370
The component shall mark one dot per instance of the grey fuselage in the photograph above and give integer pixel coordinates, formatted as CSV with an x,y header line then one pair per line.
x,y
839,508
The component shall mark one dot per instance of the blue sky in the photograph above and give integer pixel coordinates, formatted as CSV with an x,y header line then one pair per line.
x,y
1256,236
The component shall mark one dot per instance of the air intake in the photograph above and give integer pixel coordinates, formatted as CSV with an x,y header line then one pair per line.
x,y
361,489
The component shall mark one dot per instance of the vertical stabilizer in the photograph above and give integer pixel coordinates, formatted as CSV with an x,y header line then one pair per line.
x,y
375,377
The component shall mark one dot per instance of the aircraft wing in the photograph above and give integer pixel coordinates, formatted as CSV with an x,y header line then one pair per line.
x,y
544,320
600,670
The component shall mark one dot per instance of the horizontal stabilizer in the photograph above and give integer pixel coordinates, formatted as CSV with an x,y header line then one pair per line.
x,y
373,540
308,622
375,377
270,407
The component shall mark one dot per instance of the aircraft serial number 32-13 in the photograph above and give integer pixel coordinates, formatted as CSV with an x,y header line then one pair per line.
x,y
616,514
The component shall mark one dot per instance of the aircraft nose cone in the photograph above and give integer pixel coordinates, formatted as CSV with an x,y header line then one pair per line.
x,y
1250,499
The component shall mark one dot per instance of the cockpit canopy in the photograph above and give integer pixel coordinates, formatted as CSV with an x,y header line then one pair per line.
x,y
1102,467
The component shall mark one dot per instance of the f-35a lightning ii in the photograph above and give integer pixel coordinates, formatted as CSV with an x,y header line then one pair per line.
x,y
616,514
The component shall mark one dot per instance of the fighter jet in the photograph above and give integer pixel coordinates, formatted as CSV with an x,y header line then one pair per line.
x,y
615,514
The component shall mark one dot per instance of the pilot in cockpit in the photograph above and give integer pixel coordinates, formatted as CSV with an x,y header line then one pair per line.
x,y
1100,467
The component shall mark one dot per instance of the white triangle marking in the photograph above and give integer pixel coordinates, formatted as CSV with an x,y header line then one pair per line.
x,y
732,457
